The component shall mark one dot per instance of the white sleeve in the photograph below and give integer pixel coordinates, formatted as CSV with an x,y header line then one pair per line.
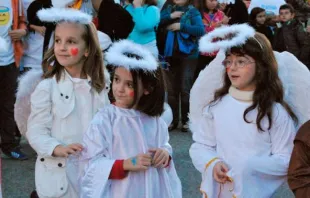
x,y
203,150
39,124
282,135
97,156
164,136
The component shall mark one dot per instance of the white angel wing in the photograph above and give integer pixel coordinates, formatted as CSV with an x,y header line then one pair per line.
x,y
209,80
3,45
26,86
295,77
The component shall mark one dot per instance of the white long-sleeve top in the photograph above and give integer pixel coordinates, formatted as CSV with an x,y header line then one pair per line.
x,y
60,114
257,160
114,134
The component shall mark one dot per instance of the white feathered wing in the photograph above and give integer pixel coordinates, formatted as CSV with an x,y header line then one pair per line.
x,y
26,86
294,75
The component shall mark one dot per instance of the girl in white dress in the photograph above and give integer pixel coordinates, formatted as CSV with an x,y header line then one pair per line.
x,y
127,151
244,138
65,101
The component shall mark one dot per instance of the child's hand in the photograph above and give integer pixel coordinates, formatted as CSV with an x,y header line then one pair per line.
x,y
41,30
219,172
161,157
176,14
17,35
139,163
174,27
65,151
225,20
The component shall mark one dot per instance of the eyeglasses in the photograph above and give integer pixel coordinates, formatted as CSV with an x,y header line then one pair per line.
x,y
239,63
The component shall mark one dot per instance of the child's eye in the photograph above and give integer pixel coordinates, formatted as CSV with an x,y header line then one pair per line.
x,y
116,79
71,42
57,41
130,85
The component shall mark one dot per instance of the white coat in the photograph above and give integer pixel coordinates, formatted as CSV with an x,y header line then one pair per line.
x,y
60,114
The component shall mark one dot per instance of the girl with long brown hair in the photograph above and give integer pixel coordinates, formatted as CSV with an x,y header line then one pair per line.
x,y
244,139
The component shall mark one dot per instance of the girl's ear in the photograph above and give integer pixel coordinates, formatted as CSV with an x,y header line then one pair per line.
x,y
86,53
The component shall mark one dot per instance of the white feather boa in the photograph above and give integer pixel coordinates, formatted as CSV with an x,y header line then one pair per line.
x,y
56,15
241,32
293,74
116,56
4,47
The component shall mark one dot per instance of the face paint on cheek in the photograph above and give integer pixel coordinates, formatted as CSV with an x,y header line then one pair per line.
x,y
227,69
132,94
74,51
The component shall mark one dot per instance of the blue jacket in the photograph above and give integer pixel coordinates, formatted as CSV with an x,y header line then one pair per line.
x,y
146,19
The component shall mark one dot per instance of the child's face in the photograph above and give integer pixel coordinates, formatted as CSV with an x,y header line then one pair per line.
x,y
180,2
70,48
123,88
261,18
211,4
241,71
286,15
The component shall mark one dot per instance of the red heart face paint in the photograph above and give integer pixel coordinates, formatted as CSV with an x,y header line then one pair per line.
x,y
132,94
74,51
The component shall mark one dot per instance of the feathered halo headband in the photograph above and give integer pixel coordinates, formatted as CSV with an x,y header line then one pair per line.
x,y
227,1
56,15
3,45
131,56
226,37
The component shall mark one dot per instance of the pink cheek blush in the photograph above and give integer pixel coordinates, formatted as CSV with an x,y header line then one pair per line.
x,y
132,94
74,51
227,69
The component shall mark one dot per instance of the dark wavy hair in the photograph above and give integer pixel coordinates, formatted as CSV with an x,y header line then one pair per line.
x,y
269,88
153,103
255,11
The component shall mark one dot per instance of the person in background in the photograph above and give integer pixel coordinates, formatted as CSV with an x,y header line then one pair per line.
x,y
291,36
302,10
237,12
12,29
258,22
146,17
184,26
212,18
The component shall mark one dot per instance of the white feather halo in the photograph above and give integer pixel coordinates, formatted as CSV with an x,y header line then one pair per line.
x,y
116,56
64,14
4,47
241,33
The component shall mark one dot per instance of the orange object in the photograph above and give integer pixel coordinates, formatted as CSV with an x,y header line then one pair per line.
x,y
77,4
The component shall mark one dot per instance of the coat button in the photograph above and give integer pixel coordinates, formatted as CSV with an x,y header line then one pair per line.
x,y
67,97
42,159
61,188
61,94
60,164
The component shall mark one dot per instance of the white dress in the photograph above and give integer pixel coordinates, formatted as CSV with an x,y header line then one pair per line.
x,y
257,160
117,133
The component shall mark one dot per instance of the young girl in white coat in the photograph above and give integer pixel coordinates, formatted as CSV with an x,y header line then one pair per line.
x,y
65,101
244,139
127,151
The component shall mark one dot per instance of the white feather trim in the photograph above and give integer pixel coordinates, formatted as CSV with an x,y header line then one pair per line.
x,y
227,1
116,56
4,47
61,3
241,32
64,14
26,86
104,40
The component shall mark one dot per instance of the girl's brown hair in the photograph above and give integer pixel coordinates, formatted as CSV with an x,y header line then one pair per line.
x,y
93,63
269,88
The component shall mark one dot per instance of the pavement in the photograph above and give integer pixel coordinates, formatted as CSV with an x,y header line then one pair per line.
x,y
18,176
